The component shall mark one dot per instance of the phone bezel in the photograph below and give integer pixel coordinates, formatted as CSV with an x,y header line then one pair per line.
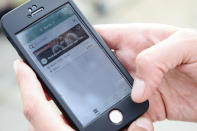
x,y
129,109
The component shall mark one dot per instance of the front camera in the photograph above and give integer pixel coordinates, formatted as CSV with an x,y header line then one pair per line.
x,y
34,7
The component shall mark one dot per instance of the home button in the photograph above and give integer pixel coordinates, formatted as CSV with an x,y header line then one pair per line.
x,y
116,117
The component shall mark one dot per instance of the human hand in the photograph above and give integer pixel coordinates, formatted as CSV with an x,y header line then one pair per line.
x,y
37,109
163,61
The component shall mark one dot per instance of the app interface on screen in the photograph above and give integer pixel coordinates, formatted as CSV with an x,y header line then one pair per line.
x,y
75,64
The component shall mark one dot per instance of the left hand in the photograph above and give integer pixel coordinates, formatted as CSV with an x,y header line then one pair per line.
x,y
37,109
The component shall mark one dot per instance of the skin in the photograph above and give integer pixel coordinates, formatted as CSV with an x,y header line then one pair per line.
x,y
161,58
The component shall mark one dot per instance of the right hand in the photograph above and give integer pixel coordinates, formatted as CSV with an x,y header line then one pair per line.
x,y
163,61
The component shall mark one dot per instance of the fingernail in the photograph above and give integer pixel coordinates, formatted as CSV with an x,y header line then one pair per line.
x,y
15,65
138,88
145,124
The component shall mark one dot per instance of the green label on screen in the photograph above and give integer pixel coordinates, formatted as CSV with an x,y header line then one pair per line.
x,y
46,24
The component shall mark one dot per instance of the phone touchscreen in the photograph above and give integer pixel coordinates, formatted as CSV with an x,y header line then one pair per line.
x,y
75,64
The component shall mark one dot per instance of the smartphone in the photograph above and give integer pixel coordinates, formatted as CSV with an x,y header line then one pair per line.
x,y
79,71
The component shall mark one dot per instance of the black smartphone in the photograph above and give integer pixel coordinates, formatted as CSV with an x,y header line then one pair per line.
x,y
78,70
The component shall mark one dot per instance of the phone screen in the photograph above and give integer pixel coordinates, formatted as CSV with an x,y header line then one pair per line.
x,y
75,64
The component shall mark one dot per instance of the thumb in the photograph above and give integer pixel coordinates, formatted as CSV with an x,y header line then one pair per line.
x,y
154,62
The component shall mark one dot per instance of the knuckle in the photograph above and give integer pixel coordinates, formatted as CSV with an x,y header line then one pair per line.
x,y
143,59
147,61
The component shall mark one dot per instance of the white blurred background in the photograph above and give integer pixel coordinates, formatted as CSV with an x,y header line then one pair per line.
x,y
181,13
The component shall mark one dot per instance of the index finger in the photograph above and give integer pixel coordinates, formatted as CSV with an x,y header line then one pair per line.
x,y
119,36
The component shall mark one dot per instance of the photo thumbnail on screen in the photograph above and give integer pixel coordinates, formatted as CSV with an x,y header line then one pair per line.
x,y
60,45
